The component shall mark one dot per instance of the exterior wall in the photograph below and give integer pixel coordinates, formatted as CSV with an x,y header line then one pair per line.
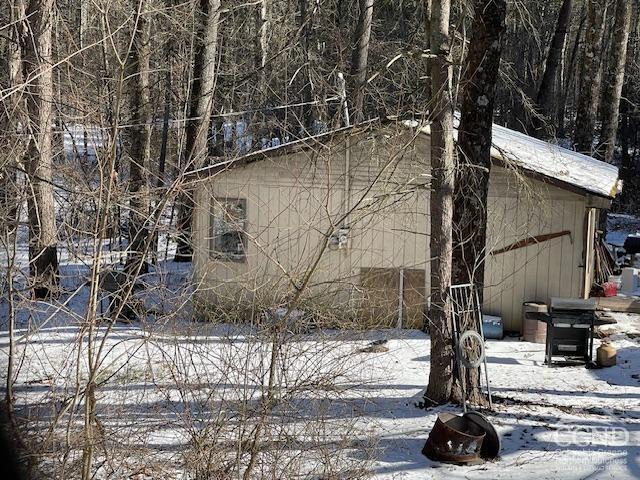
x,y
292,201
519,208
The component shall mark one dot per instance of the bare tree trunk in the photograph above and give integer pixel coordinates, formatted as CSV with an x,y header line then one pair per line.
x,y
164,141
626,163
441,207
546,97
474,160
570,69
262,46
160,191
12,119
629,200
201,105
140,200
427,26
306,26
360,57
589,76
613,88
37,72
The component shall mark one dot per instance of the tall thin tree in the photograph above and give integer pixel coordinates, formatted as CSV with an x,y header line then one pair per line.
x,y
474,157
200,108
589,87
547,96
37,70
360,57
140,153
441,205
12,120
615,80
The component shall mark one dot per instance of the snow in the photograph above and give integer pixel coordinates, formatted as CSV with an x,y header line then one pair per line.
x,y
167,383
517,149
619,226
77,138
555,162
158,375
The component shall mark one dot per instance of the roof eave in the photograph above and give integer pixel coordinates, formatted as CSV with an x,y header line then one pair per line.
x,y
496,159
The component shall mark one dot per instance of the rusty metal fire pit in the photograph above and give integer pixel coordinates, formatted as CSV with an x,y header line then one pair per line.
x,y
454,439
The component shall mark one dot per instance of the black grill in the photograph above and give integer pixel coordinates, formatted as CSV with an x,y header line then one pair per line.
x,y
570,327
632,244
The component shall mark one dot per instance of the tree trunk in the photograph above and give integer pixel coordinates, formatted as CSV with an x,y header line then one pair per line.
x,y
141,118
262,48
306,27
37,72
568,78
197,127
613,87
441,207
12,120
427,26
589,76
629,200
626,164
474,160
546,97
360,58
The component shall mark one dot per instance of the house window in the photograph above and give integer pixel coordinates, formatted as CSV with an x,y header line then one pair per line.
x,y
228,234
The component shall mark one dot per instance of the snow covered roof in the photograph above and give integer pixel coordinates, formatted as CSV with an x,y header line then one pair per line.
x,y
508,147
555,162
549,160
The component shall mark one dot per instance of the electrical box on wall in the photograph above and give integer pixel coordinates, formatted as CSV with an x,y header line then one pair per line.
x,y
339,238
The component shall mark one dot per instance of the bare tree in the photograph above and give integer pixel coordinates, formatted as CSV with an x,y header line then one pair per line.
x,y
262,45
11,119
307,15
547,96
140,200
474,156
200,107
589,85
360,57
37,72
610,110
566,81
441,206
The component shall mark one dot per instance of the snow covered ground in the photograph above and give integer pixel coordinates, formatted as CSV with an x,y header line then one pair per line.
x,y
619,226
561,422
168,385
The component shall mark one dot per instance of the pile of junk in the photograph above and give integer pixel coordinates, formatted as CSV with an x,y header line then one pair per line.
x,y
466,439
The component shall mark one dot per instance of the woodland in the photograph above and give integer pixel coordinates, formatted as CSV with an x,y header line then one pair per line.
x,y
106,106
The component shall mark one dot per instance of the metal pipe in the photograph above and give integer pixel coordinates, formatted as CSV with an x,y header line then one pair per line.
x,y
400,298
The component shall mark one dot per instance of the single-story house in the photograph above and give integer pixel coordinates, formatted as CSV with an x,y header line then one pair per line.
x,y
345,216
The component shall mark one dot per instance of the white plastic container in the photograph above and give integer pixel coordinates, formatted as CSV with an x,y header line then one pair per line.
x,y
629,281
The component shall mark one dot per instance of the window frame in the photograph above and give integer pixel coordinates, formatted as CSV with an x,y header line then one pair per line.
x,y
217,207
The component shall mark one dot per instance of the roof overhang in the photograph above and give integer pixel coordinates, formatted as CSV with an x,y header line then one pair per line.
x,y
537,159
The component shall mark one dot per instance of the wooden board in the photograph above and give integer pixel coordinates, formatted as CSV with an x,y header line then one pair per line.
x,y
619,304
413,298
381,288
380,296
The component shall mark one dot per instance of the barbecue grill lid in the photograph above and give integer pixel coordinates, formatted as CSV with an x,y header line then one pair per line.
x,y
588,304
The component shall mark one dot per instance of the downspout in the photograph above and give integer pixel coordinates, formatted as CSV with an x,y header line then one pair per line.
x,y
347,179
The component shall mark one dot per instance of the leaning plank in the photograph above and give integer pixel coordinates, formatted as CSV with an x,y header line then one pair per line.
x,y
619,304
525,242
